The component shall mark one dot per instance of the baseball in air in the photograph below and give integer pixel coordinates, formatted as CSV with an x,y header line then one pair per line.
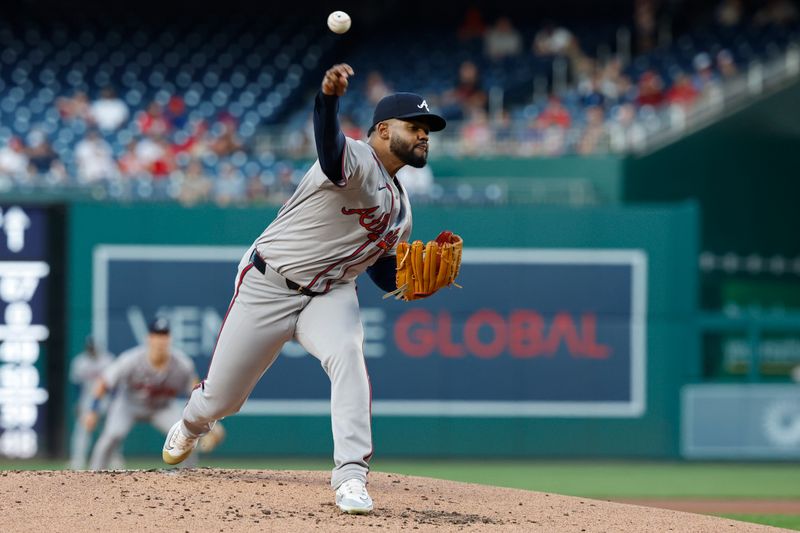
x,y
339,22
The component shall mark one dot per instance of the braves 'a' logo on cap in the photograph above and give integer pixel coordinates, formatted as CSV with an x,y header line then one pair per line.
x,y
425,105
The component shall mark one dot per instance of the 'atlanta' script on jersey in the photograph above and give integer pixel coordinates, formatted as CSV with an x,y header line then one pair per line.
x,y
375,225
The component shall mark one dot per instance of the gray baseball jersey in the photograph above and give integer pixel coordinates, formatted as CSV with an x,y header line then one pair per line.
x,y
84,371
142,393
328,233
323,238
144,387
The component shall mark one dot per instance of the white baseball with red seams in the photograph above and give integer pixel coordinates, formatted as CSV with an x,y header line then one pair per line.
x,y
322,239
339,22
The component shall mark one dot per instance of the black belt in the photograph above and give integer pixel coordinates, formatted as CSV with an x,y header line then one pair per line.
x,y
261,266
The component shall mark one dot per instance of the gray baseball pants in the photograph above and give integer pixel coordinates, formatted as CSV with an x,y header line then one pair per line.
x,y
264,314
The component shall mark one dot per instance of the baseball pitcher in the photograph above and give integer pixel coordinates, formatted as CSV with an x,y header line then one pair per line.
x,y
297,281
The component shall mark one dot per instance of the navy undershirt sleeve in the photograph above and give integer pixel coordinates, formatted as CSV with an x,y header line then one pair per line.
x,y
328,136
383,273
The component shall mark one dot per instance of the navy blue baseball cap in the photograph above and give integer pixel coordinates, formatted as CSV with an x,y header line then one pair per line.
x,y
406,106
159,326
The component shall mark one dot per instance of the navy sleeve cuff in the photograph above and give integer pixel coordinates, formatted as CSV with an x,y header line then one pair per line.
x,y
328,137
383,273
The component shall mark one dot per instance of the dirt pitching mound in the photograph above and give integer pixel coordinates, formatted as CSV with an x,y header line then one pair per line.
x,y
211,500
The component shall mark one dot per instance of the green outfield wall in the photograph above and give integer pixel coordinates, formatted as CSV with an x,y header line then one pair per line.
x,y
566,180
664,235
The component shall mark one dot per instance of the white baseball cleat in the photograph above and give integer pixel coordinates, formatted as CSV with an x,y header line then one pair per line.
x,y
178,445
352,497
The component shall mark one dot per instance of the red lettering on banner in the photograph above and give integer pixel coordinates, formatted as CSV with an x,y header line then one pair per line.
x,y
485,318
590,346
525,339
563,328
445,337
522,334
414,341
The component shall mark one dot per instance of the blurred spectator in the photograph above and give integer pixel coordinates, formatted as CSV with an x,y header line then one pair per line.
x,y
554,115
285,184
230,186
57,175
468,94
194,142
417,182
227,119
651,89
777,12
194,185
476,134
595,134
14,161
726,65
225,141
557,41
554,40
502,40
554,141
109,112
376,88
644,20
176,114
503,128
682,92
608,81
472,26
40,153
94,158
152,121
624,132
590,92
705,79
129,163
349,128
729,13
531,138
257,191
43,159
154,154
75,107
298,141
627,91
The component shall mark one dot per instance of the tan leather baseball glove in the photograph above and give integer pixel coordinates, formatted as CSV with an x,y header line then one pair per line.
x,y
423,269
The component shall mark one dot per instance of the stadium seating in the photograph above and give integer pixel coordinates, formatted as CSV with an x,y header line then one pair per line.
x,y
256,78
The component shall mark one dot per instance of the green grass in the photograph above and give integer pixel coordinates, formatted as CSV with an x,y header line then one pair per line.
x,y
620,479
787,521
606,479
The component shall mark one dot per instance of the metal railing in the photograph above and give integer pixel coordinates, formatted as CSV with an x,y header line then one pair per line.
x,y
754,325
757,79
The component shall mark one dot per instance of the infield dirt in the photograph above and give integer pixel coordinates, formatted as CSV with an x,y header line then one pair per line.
x,y
211,500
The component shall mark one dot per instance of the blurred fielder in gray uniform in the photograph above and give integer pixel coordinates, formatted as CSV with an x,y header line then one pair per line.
x,y
297,280
146,379
84,370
